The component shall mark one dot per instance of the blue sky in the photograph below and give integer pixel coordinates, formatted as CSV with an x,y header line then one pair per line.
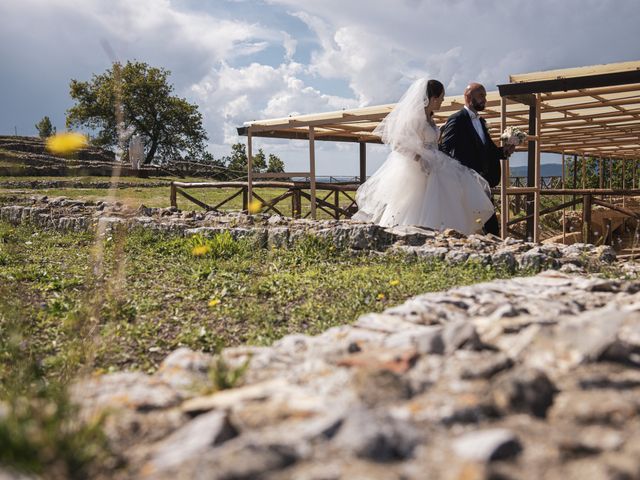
x,y
241,60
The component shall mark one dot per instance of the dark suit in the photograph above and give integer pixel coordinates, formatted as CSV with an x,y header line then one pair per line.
x,y
460,140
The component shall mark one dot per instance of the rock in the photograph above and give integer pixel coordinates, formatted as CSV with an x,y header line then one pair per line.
x,y
596,407
126,390
460,335
523,390
192,440
590,440
487,445
184,369
397,361
377,438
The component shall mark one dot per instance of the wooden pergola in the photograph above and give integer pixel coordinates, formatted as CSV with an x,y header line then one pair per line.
x,y
587,111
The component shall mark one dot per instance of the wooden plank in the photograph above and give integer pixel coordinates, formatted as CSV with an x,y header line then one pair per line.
x,y
546,211
504,201
194,200
590,91
216,207
536,195
326,204
363,162
574,83
249,168
281,175
600,69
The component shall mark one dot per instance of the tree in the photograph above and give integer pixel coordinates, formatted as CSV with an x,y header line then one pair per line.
x,y
45,128
238,160
275,164
170,126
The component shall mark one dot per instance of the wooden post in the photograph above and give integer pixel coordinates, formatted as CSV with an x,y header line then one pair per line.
x,y
536,195
504,201
245,198
586,218
607,235
336,199
173,197
296,200
312,170
575,177
624,180
531,160
584,172
363,162
601,177
564,211
249,168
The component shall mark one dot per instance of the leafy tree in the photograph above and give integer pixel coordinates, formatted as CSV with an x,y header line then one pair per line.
x,y
238,160
259,161
275,164
45,128
170,126
611,172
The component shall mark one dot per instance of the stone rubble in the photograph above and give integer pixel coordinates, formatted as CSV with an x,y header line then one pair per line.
x,y
267,231
528,378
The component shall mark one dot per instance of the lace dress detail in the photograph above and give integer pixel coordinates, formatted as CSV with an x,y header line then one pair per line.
x,y
429,189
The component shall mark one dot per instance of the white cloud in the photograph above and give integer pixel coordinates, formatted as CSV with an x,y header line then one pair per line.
x,y
251,59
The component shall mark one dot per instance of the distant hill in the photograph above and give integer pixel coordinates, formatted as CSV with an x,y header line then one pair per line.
x,y
546,170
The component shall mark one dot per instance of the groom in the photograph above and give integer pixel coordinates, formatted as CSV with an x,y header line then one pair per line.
x,y
465,137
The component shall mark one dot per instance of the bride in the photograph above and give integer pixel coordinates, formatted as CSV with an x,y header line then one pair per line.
x,y
418,184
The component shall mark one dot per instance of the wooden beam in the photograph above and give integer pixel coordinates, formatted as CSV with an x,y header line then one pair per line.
x,y
363,162
312,170
574,83
249,169
504,200
531,158
536,195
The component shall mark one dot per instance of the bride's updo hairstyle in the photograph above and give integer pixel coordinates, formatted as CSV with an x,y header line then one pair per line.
x,y
434,89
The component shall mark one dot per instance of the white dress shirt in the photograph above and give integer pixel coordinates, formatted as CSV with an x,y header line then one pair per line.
x,y
475,120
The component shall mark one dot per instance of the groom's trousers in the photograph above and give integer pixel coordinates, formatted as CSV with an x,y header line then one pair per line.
x,y
492,226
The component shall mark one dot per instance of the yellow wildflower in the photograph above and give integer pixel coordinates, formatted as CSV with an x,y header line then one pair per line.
x,y
200,250
214,302
66,143
255,206
393,283
380,296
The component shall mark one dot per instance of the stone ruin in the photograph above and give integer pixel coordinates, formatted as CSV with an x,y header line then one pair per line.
x,y
529,378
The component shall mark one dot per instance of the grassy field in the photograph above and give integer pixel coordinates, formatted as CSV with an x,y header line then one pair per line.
x,y
152,293
157,196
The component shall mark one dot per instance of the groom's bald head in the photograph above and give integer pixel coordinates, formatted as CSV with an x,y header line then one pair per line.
x,y
475,96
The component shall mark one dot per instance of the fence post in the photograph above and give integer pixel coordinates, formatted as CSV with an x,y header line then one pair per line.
x,y
296,203
173,197
245,198
586,218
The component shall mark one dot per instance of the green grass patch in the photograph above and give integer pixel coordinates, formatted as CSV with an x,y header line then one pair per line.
x,y
137,296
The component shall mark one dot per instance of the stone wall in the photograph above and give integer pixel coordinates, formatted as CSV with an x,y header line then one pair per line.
x,y
528,378
267,231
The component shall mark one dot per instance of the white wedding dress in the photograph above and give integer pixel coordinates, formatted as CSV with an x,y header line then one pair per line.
x,y
420,185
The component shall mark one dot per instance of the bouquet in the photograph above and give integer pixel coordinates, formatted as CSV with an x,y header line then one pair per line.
x,y
513,136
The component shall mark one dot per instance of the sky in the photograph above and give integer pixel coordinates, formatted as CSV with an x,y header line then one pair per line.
x,y
243,60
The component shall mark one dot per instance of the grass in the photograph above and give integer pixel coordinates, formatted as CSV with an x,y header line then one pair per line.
x,y
153,293
71,305
157,196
